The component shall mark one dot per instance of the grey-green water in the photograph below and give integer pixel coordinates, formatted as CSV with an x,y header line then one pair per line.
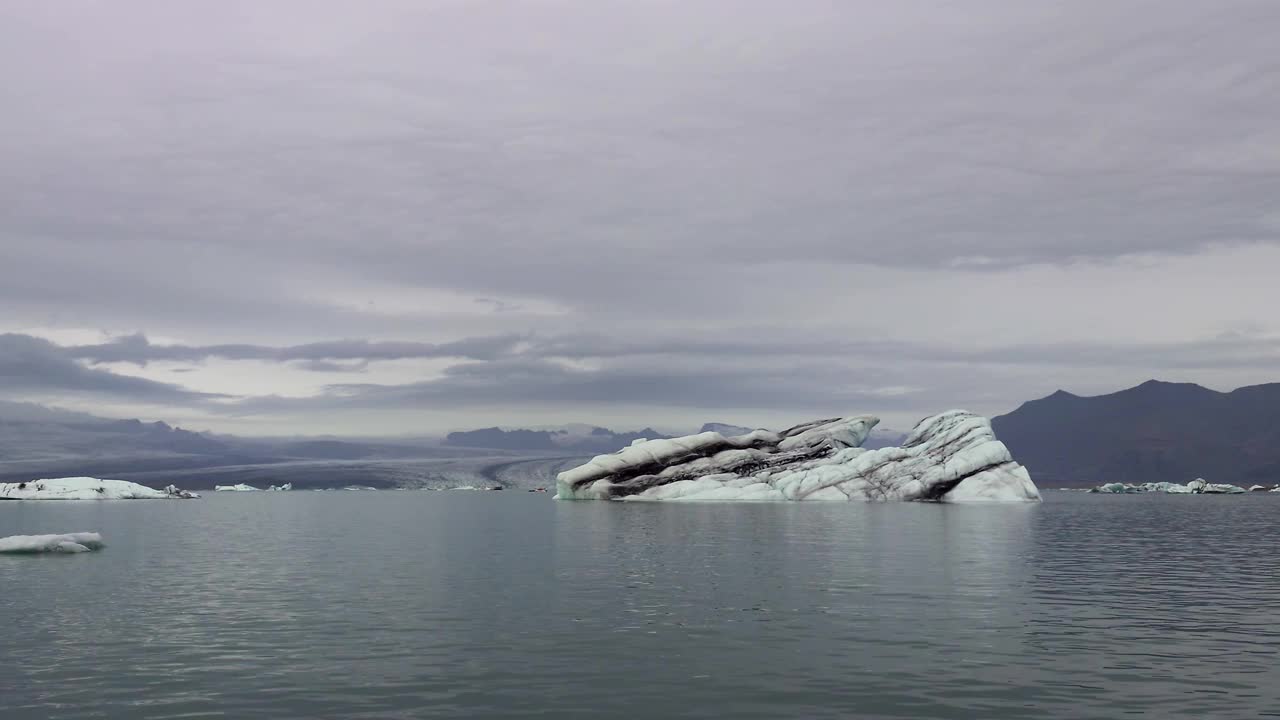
x,y
456,604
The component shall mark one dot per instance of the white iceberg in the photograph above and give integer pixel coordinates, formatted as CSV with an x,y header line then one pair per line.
x,y
87,488
1204,487
173,491
239,487
950,457
1199,486
66,543
1157,487
280,488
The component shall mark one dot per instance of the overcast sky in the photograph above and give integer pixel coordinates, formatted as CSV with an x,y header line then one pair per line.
x,y
405,216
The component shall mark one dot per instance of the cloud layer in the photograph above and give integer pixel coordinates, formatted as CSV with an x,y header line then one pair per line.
x,y
544,209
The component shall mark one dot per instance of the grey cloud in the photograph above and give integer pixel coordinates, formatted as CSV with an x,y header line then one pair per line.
x,y
741,344
1226,350
34,367
816,386
319,356
606,197
801,375
499,305
331,367
922,135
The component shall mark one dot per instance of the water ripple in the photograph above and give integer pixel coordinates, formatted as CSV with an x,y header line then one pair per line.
x,y
411,605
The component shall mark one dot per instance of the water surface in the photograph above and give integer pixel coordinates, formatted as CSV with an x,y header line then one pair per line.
x,y
458,604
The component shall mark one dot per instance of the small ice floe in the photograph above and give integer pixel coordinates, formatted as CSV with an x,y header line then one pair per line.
x,y
175,492
280,488
1199,486
239,487
354,488
66,543
87,488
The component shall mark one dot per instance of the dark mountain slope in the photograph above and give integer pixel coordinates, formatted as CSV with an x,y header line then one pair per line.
x,y
1155,431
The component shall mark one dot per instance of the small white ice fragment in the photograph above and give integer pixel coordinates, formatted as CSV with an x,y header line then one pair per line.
x,y
65,543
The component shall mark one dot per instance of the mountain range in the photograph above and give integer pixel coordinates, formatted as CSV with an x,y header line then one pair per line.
x,y
39,441
1157,431
1153,432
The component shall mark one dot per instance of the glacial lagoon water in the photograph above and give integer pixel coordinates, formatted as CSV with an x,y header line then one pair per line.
x,y
510,605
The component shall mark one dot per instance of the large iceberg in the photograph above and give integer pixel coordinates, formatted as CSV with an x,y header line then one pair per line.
x,y
950,457
66,543
87,488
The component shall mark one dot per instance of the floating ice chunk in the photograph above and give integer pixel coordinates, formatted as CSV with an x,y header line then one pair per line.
x,y
87,488
174,491
280,488
66,543
1199,486
239,487
951,457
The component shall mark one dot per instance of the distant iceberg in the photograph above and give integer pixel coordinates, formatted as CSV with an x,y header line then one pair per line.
x,y
1199,486
950,457
239,487
67,543
280,488
87,488
174,492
